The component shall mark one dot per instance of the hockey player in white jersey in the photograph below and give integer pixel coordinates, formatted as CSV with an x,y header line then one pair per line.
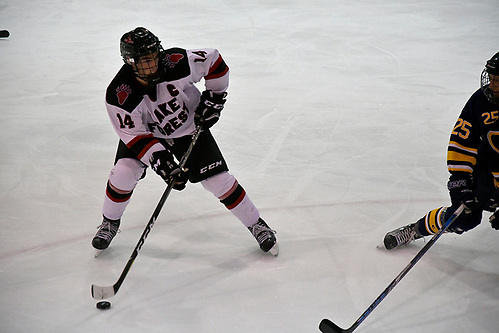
x,y
154,108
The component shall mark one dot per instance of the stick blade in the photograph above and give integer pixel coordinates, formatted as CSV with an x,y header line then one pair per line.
x,y
99,292
327,326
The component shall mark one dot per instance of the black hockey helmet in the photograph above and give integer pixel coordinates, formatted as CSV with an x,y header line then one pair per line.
x,y
491,68
138,43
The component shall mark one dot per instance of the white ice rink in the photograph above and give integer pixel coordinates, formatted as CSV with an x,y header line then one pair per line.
x,y
336,124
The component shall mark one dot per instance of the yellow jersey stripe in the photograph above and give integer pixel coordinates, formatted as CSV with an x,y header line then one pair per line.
x,y
459,157
454,144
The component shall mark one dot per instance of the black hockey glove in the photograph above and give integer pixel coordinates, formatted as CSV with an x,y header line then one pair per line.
x,y
163,163
494,220
209,108
492,205
460,188
493,202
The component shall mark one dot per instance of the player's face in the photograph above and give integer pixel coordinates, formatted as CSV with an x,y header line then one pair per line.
x,y
494,84
147,66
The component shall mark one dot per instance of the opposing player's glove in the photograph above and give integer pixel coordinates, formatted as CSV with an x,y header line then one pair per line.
x,y
493,202
494,220
163,163
209,108
460,188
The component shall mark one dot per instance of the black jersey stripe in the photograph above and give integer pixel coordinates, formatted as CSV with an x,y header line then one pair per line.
x,y
218,69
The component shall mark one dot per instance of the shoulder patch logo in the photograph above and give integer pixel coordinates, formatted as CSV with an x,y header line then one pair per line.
x,y
122,92
173,59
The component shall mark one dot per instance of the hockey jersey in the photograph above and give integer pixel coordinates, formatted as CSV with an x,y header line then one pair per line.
x,y
475,135
140,115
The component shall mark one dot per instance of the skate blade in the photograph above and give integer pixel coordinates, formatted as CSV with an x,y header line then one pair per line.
x,y
97,253
274,250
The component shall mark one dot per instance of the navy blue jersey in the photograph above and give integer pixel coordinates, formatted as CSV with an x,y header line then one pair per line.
x,y
475,137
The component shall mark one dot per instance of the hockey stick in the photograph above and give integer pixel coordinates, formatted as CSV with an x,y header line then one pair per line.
x,y
327,326
99,292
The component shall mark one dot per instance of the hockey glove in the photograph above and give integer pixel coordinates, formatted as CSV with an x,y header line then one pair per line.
x,y
209,108
493,202
163,164
494,220
460,189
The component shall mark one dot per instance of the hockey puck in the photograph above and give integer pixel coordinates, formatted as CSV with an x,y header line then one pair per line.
x,y
4,33
103,305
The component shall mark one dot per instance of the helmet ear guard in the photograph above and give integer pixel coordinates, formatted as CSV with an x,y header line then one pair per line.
x,y
491,68
129,60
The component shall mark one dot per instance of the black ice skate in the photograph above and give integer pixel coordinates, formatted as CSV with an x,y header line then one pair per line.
x,y
401,236
105,234
265,237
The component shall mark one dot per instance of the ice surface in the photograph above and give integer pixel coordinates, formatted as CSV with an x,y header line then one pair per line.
x,y
336,124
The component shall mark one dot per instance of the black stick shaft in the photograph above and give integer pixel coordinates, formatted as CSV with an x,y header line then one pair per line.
x,y
99,292
327,326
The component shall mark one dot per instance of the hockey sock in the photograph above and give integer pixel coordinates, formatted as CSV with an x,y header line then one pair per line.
x,y
239,204
115,202
123,178
432,222
226,188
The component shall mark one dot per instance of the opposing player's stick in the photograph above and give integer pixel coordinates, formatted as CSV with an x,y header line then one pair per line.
x,y
99,292
327,326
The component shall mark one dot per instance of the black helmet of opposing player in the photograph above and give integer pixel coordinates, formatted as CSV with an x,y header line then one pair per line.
x,y
142,50
489,81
